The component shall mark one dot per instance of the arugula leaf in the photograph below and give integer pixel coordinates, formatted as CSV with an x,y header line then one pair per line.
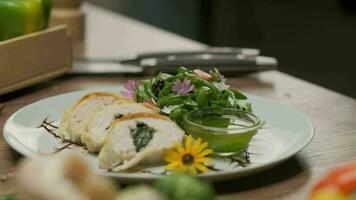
x,y
142,94
238,95
172,99
201,96
141,135
216,76
167,89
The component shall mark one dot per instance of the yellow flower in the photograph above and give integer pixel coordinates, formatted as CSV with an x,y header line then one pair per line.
x,y
191,157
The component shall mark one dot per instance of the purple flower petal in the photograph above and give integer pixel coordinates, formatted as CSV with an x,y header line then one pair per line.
x,y
176,86
127,94
191,88
130,87
182,88
185,83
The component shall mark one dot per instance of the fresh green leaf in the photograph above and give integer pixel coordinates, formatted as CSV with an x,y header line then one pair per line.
x,y
238,95
201,97
173,99
142,94
182,70
247,107
167,89
141,135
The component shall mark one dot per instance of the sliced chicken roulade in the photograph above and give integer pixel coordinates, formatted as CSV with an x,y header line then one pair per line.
x,y
136,138
100,123
61,177
76,117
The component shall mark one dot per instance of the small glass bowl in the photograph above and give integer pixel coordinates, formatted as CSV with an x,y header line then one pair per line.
x,y
227,130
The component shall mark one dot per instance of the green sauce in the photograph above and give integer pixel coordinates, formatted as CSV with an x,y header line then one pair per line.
x,y
228,131
223,121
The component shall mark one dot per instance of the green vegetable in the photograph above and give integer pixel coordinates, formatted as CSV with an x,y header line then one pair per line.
x,y
19,17
8,197
141,135
184,187
214,93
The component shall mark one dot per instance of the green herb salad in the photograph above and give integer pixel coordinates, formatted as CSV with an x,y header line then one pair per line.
x,y
185,91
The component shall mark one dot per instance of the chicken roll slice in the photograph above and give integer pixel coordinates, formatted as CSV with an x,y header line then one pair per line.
x,y
99,125
76,117
136,138
64,176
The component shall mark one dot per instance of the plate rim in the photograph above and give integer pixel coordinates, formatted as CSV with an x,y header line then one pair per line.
x,y
216,176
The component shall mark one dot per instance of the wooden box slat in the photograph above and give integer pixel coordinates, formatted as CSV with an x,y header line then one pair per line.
x,y
33,58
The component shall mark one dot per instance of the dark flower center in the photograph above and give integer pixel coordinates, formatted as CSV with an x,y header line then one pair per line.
x,y
188,159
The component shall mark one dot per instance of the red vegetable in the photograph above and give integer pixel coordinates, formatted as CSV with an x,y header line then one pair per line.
x,y
339,184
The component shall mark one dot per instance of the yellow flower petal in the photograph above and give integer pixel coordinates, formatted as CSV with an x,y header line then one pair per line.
x,y
205,152
172,158
203,160
166,151
195,147
182,168
180,148
172,155
171,152
173,165
203,146
188,143
201,168
192,170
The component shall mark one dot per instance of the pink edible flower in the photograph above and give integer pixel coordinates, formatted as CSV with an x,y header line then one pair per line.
x,y
130,87
182,88
222,78
201,74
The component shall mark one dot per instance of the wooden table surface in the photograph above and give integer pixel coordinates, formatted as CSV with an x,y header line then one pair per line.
x,y
333,114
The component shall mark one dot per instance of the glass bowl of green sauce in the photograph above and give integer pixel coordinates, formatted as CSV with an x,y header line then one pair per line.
x,y
227,130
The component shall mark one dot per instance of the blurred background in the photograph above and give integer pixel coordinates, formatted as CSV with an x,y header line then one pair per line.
x,y
314,40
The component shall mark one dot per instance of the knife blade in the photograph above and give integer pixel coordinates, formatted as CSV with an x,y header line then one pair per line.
x,y
230,63
135,59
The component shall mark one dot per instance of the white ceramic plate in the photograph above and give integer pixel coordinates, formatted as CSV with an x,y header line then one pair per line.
x,y
287,132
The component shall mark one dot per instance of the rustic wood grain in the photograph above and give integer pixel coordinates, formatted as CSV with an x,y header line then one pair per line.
x,y
34,58
333,114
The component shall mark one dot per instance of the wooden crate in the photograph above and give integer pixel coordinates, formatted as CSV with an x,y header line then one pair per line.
x,y
34,58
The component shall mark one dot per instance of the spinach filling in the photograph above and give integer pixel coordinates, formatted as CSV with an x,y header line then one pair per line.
x,y
118,115
141,135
